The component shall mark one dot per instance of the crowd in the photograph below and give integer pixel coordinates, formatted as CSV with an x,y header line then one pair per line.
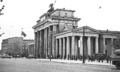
x,y
94,57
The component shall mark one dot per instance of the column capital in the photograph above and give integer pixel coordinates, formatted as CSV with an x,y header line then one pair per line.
x,y
89,36
73,45
73,35
81,45
97,37
68,47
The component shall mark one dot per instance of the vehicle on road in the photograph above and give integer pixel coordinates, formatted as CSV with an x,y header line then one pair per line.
x,y
16,56
31,56
116,58
6,56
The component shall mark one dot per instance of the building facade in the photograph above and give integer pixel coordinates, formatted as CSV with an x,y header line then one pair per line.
x,y
25,48
15,45
31,49
57,34
12,45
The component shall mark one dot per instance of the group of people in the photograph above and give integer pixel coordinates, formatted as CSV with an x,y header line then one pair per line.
x,y
95,57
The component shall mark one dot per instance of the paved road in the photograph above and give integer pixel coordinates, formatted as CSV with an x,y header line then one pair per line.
x,y
35,65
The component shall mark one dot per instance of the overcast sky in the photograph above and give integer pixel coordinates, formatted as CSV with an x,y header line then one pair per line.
x,y
24,14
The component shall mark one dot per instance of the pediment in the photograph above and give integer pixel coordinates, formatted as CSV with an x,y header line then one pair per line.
x,y
87,29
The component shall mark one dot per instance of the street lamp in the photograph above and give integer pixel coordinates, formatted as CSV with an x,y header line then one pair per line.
x,y
83,44
50,44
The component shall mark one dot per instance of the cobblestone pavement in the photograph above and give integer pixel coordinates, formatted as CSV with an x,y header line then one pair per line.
x,y
33,65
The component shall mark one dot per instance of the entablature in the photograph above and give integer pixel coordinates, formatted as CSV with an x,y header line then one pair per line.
x,y
45,21
109,36
48,24
70,33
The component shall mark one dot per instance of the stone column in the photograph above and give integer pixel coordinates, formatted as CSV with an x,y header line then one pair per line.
x,y
81,45
60,47
63,47
104,45
89,45
38,42
54,41
68,47
73,45
37,39
49,41
46,41
35,43
56,47
96,44
76,47
112,48
40,45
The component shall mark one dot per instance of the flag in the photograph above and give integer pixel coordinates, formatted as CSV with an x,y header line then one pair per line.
x,y
23,34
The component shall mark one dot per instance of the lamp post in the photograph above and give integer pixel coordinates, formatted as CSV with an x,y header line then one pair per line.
x,y
83,44
50,42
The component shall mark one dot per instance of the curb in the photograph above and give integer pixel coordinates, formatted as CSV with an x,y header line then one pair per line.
x,y
76,62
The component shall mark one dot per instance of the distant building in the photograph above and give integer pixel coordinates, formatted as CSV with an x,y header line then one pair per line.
x,y
57,34
14,45
25,48
26,43
31,48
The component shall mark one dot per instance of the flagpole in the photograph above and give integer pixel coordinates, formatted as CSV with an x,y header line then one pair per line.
x,y
23,43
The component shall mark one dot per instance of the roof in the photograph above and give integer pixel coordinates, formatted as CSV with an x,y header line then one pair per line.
x,y
90,29
57,10
103,31
109,31
66,18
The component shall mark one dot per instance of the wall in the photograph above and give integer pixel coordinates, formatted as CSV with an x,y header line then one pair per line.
x,y
108,46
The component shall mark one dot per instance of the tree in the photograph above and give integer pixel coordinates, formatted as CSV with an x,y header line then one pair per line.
x,y
1,8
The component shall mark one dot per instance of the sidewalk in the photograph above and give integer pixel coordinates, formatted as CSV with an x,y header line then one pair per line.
x,y
78,61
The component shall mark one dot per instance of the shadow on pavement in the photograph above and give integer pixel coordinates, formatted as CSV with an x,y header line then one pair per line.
x,y
114,69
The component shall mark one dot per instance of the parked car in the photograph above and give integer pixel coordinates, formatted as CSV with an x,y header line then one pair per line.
x,y
6,56
31,56
16,56
116,58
